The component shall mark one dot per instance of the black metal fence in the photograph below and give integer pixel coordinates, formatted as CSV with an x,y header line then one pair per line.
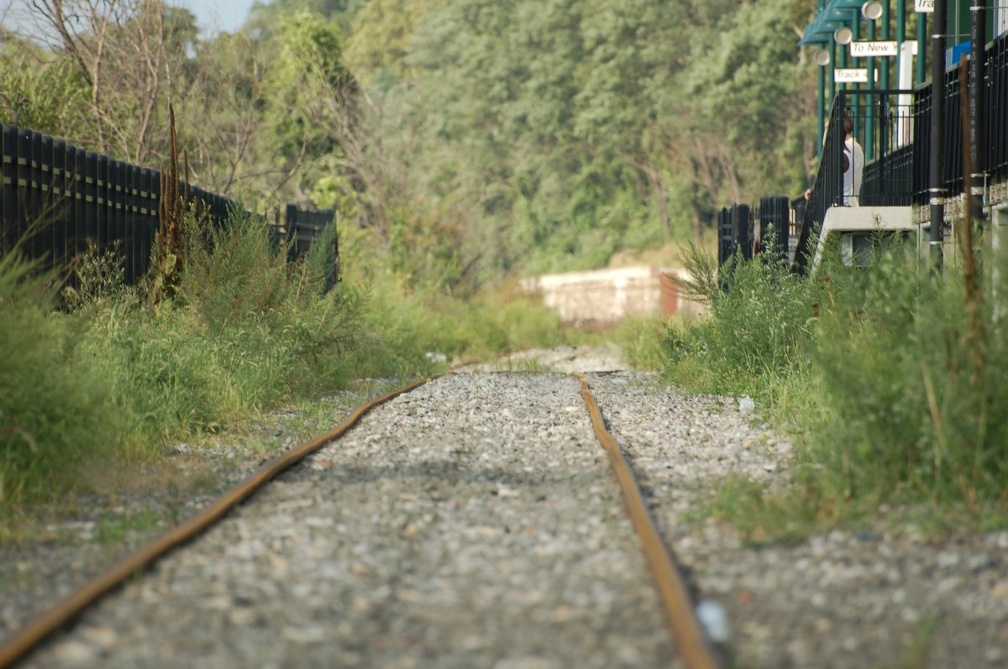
x,y
735,232
827,190
56,198
997,109
764,231
301,229
993,151
774,216
888,178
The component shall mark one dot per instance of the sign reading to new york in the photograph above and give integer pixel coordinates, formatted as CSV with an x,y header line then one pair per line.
x,y
873,49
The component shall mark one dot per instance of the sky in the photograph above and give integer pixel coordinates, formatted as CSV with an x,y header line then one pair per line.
x,y
213,16
216,16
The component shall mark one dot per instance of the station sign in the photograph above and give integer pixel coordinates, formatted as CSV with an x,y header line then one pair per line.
x,y
857,75
873,49
924,6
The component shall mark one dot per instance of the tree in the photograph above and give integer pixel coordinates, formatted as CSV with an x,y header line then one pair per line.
x,y
128,53
312,100
39,89
266,15
378,46
561,131
727,129
221,118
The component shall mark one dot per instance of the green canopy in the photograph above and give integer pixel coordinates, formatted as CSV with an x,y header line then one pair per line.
x,y
833,15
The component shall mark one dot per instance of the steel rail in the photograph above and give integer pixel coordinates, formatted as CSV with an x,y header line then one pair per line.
x,y
46,623
690,638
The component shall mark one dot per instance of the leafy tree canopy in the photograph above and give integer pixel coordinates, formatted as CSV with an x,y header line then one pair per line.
x,y
490,136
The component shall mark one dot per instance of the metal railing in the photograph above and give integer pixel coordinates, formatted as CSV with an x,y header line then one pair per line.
x,y
993,152
765,231
774,217
888,178
827,190
997,109
735,232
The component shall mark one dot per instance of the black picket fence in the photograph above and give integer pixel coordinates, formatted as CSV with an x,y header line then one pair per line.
x,y
56,199
300,230
763,231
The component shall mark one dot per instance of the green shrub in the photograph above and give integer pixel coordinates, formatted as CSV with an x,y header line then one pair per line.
x,y
55,409
117,376
892,392
247,332
756,330
643,341
429,325
911,414
99,276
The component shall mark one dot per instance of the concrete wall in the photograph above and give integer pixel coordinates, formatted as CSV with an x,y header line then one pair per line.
x,y
605,297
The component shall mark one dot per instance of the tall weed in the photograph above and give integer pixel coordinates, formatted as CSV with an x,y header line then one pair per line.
x,y
410,324
874,369
55,409
118,374
911,417
757,329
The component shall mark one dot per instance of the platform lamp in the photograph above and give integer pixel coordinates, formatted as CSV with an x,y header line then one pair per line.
x,y
871,10
842,36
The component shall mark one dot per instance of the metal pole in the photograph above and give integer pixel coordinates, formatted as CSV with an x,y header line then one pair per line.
x,y
869,108
856,99
821,108
977,104
937,175
886,36
922,48
900,21
832,74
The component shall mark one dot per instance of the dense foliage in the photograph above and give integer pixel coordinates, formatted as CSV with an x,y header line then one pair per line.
x,y
879,375
112,377
563,131
472,138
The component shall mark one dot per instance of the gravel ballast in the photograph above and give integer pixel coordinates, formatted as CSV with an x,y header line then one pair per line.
x,y
474,523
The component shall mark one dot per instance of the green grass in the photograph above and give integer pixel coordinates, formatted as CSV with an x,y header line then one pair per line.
x,y
103,378
916,654
56,409
892,394
115,528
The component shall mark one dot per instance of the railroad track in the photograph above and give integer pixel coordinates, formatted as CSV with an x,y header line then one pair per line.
x,y
473,521
445,471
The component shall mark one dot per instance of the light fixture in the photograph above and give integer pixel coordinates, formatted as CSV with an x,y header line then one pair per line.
x,y
822,57
843,35
871,10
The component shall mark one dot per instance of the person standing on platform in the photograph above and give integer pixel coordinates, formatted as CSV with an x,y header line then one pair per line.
x,y
853,166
